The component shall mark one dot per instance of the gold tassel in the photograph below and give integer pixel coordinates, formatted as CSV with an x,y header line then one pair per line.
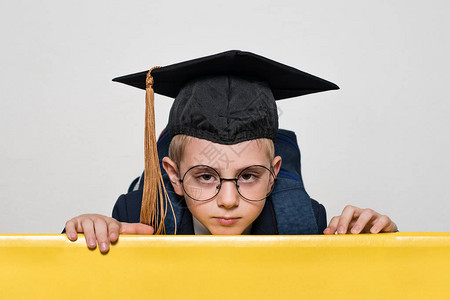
x,y
154,194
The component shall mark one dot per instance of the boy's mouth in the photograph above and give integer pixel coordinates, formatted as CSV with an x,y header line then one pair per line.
x,y
226,221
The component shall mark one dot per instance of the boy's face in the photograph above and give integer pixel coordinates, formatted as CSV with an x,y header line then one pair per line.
x,y
228,212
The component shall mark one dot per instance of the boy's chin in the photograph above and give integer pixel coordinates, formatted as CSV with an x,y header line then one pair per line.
x,y
226,230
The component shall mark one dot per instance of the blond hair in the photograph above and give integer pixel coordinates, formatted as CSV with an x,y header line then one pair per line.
x,y
179,142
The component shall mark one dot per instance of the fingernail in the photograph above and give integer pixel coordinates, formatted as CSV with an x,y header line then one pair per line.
x,y
91,242
374,230
355,229
341,229
113,236
72,236
103,246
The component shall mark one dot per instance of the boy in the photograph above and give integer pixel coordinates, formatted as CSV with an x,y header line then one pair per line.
x,y
224,102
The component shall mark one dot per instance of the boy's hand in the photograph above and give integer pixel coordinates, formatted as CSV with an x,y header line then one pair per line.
x,y
357,220
102,230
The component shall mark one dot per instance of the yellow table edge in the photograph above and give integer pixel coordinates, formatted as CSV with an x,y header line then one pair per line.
x,y
398,239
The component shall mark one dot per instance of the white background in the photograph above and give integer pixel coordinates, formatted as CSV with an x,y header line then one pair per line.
x,y
72,140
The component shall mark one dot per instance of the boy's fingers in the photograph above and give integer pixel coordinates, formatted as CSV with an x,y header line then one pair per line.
x,y
328,231
356,220
113,230
71,232
346,217
87,226
101,233
384,224
364,218
135,228
331,229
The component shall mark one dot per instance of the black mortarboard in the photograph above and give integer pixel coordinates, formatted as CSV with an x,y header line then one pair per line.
x,y
228,97
284,81
225,98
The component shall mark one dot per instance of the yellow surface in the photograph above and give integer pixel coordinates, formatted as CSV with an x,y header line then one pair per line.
x,y
383,266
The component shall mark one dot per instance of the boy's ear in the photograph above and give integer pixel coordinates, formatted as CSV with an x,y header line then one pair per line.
x,y
172,170
276,163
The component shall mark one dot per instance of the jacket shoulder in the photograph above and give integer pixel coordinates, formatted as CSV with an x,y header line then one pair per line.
x,y
128,207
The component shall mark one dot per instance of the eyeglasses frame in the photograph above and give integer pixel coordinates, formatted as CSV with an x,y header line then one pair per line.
x,y
229,179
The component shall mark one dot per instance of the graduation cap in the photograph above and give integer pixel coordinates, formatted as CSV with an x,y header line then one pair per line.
x,y
225,98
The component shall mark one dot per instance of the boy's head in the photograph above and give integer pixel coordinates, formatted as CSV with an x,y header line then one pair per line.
x,y
225,104
197,167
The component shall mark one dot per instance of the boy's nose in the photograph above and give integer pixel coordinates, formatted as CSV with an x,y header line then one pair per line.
x,y
228,196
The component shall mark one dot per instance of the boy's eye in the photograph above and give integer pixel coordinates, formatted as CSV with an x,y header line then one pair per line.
x,y
247,177
207,178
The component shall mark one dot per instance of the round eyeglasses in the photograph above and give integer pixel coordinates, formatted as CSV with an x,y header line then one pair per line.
x,y
203,183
